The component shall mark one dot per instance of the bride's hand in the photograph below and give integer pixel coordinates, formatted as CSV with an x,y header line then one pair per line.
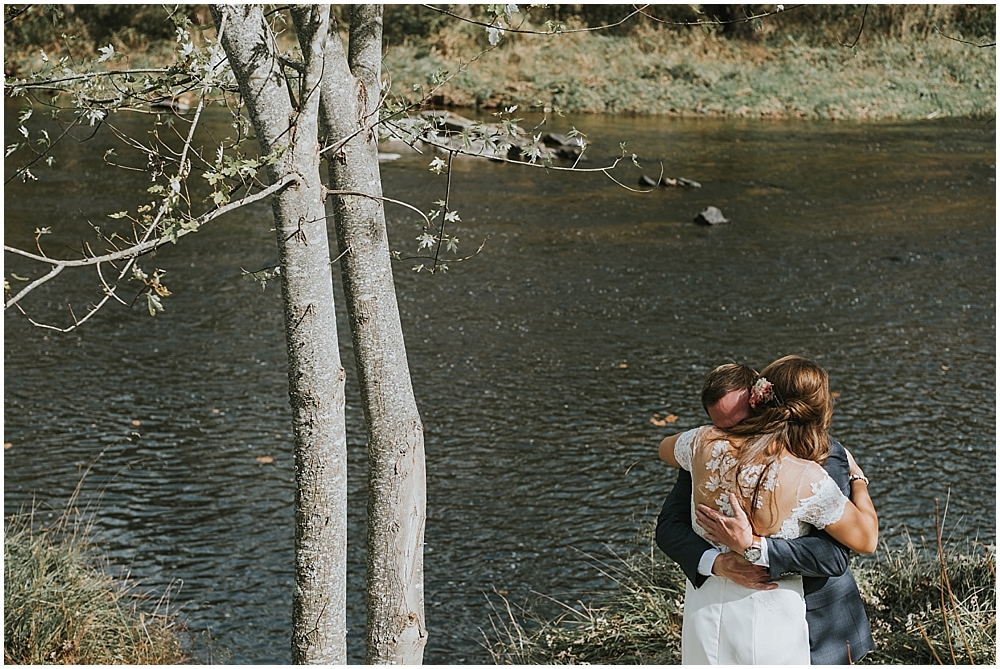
x,y
734,532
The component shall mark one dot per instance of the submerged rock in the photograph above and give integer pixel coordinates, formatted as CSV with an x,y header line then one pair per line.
x,y
710,216
679,181
682,182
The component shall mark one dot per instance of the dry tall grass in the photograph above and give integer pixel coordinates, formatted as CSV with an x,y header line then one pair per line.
x,y
60,607
908,593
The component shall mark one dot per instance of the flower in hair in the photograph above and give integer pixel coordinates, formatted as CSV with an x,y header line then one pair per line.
x,y
763,392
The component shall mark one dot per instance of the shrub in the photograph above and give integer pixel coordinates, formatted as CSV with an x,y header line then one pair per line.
x,y
61,608
640,621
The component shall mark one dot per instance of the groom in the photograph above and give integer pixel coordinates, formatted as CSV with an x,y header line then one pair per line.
x,y
838,627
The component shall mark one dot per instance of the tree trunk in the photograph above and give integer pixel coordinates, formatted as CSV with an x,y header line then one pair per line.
x,y
396,633
315,373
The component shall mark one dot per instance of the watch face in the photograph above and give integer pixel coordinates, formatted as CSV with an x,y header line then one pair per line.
x,y
752,554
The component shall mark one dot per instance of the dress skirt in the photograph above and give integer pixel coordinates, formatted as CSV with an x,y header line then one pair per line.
x,y
725,623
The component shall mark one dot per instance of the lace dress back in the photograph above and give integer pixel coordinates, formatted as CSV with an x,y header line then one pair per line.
x,y
793,495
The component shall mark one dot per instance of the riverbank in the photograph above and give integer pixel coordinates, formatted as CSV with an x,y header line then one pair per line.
x,y
909,62
60,607
640,621
655,71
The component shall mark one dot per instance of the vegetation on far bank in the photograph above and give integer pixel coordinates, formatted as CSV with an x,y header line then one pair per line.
x,y
656,71
908,594
60,607
819,61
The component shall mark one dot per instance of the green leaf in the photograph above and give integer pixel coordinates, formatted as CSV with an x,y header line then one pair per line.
x,y
153,303
426,241
19,278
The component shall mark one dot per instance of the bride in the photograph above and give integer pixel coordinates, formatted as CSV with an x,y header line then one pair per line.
x,y
769,464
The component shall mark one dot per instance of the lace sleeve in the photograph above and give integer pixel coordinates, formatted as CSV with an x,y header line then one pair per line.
x,y
826,504
683,448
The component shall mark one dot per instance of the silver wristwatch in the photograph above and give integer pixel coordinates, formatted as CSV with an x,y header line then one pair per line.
x,y
752,554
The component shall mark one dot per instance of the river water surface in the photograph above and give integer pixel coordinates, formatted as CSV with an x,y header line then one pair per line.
x,y
537,365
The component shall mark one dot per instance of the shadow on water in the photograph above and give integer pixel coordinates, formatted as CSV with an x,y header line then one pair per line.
x,y
537,365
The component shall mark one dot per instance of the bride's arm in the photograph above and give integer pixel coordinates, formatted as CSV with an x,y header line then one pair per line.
x,y
858,527
667,450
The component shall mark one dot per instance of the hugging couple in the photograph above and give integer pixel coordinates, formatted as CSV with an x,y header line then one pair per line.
x,y
762,517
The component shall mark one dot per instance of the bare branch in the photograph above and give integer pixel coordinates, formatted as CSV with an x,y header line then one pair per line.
x,y
639,10
962,41
379,197
860,30
34,284
50,83
718,22
143,247
543,166
41,155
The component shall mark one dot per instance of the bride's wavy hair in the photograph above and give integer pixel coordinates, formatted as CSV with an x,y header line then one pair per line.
x,y
796,421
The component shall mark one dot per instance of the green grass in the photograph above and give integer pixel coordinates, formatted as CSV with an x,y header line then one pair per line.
x,y
696,73
640,621
60,607
794,66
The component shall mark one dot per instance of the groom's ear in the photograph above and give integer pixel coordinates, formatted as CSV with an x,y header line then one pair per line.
x,y
732,409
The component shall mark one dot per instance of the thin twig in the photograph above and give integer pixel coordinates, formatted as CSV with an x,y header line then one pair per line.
x,y
860,30
947,583
380,197
444,217
719,22
944,608
145,246
955,39
929,644
536,32
42,154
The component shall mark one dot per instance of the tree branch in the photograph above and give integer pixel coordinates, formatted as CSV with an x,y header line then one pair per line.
x,y
143,247
962,41
860,30
639,10
717,22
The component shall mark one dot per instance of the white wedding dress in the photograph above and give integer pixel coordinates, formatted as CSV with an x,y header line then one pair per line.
x,y
725,623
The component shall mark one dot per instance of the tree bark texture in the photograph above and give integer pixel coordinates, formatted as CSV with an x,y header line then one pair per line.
x,y
288,127
396,632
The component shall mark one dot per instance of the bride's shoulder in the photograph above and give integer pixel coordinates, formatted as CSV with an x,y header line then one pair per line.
x,y
711,433
697,436
808,467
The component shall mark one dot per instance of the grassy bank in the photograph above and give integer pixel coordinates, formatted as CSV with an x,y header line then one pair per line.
x,y
640,622
657,71
61,608
808,62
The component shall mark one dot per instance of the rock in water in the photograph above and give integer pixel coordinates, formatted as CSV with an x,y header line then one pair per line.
x,y
647,181
710,216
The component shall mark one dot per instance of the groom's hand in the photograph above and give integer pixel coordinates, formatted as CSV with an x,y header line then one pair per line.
x,y
741,572
734,532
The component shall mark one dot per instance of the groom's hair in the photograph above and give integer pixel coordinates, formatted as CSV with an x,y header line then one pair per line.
x,y
724,379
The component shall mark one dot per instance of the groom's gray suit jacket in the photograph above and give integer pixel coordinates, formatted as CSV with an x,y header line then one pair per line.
x,y
834,611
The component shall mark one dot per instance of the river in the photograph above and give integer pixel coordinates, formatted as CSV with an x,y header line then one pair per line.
x,y
538,363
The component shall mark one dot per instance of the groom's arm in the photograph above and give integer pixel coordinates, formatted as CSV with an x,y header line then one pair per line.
x,y
674,535
816,554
